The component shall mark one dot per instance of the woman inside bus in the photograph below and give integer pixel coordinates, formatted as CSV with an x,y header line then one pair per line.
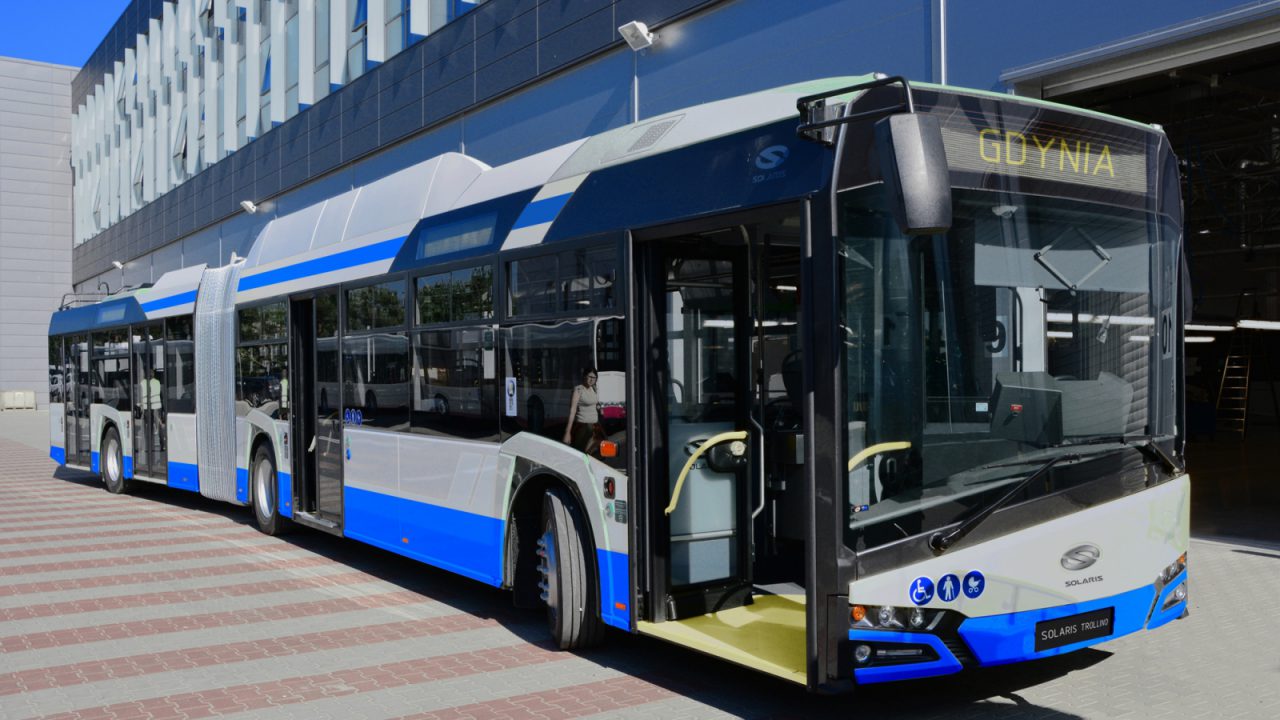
x,y
583,429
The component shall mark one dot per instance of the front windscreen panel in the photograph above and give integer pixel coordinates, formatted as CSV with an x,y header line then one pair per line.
x,y
1041,321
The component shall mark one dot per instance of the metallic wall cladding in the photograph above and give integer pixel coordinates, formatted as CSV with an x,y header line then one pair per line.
x,y
215,380
478,58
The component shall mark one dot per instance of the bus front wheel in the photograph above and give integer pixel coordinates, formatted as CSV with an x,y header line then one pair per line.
x,y
112,462
566,585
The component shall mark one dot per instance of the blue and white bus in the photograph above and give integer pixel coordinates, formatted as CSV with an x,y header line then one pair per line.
x,y
891,378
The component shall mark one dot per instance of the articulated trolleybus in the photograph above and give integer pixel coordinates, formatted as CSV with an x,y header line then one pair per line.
x,y
882,381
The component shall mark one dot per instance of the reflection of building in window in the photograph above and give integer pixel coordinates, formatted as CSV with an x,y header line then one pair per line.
x,y
262,360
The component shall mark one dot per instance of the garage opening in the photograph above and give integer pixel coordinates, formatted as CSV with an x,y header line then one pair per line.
x,y
1222,115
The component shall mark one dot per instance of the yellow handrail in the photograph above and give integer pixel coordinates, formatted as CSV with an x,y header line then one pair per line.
x,y
876,450
688,465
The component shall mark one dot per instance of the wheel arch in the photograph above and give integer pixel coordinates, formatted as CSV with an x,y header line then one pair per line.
x,y
524,517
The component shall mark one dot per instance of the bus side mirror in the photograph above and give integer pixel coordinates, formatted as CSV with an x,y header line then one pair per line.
x,y
913,163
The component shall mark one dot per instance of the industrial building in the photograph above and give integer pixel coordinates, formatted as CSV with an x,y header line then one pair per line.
x,y
196,122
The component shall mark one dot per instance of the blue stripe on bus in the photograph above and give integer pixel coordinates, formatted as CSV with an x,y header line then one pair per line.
x,y
1000,639
541,211
128,466
184,476
168,302
454,540
384,250
93,461
944,665
615,579
58,454
284,488
242,485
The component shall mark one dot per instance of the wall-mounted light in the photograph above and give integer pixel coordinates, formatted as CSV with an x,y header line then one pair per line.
x,y
1209,328
248,206
637,35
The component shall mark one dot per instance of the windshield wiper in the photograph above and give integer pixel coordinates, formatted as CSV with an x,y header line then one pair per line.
x,y
940,541
1148,445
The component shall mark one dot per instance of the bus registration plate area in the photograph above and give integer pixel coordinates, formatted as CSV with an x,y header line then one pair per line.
x,y
1073,629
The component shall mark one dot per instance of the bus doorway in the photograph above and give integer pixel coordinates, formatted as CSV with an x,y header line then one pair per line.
x,y
725,477
317,421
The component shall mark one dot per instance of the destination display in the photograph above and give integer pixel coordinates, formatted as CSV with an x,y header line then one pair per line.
x,y
1047,154
1009,145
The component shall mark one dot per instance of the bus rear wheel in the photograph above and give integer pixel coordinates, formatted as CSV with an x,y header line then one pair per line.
x,y
565,584
112,463
266,495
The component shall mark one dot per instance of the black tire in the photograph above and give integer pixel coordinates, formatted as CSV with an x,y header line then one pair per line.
x,y
264,492
370,401
566,579
111,462
442,404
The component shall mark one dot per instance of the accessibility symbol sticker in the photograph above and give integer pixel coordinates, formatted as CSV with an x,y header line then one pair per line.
x,y
948,588
921,590
974,584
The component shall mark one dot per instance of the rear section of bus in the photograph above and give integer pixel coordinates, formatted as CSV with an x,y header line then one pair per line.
x,y
1011,391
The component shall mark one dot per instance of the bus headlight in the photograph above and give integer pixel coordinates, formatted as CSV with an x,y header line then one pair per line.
x,y
889,617
1172,569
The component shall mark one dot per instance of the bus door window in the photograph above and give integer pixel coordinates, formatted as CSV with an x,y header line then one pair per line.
x,y
262,361
110,370
75,371
148,392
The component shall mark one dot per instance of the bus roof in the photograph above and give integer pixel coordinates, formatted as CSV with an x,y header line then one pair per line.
x,y
361,232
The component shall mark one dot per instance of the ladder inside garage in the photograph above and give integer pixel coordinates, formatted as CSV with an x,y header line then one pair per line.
x,y
1233,392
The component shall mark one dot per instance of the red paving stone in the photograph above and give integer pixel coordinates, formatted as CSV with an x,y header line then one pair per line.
x,y
189,538
173,597
54,586
106,562
568,702
190,658
308,688
131,532
112,518
186,623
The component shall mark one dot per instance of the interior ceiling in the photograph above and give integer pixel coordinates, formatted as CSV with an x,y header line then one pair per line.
x,y
1223,119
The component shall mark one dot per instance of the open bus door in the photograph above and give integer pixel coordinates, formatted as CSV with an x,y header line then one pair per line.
x,y
317,419
725,519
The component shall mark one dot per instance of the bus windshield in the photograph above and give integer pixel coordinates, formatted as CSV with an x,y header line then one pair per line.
x,y
1024,331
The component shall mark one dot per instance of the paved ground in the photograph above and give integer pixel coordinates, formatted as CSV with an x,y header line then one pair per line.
x,y
165,605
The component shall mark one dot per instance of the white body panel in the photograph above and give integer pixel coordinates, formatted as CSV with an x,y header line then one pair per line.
x,y
1138,535
455,474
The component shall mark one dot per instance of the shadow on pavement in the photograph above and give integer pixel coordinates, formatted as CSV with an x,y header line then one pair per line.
x,y
991,692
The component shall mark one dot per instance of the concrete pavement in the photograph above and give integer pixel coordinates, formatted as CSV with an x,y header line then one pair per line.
x,y
166,605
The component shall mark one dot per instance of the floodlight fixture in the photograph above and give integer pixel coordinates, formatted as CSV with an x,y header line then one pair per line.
x,y
637,35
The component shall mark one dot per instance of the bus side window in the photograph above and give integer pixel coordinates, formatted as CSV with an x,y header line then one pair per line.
x,y
180,365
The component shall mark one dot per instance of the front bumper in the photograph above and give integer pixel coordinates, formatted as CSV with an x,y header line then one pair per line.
x,y
1010,638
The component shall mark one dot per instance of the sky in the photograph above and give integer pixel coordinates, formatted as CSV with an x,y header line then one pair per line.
x,y
65,32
